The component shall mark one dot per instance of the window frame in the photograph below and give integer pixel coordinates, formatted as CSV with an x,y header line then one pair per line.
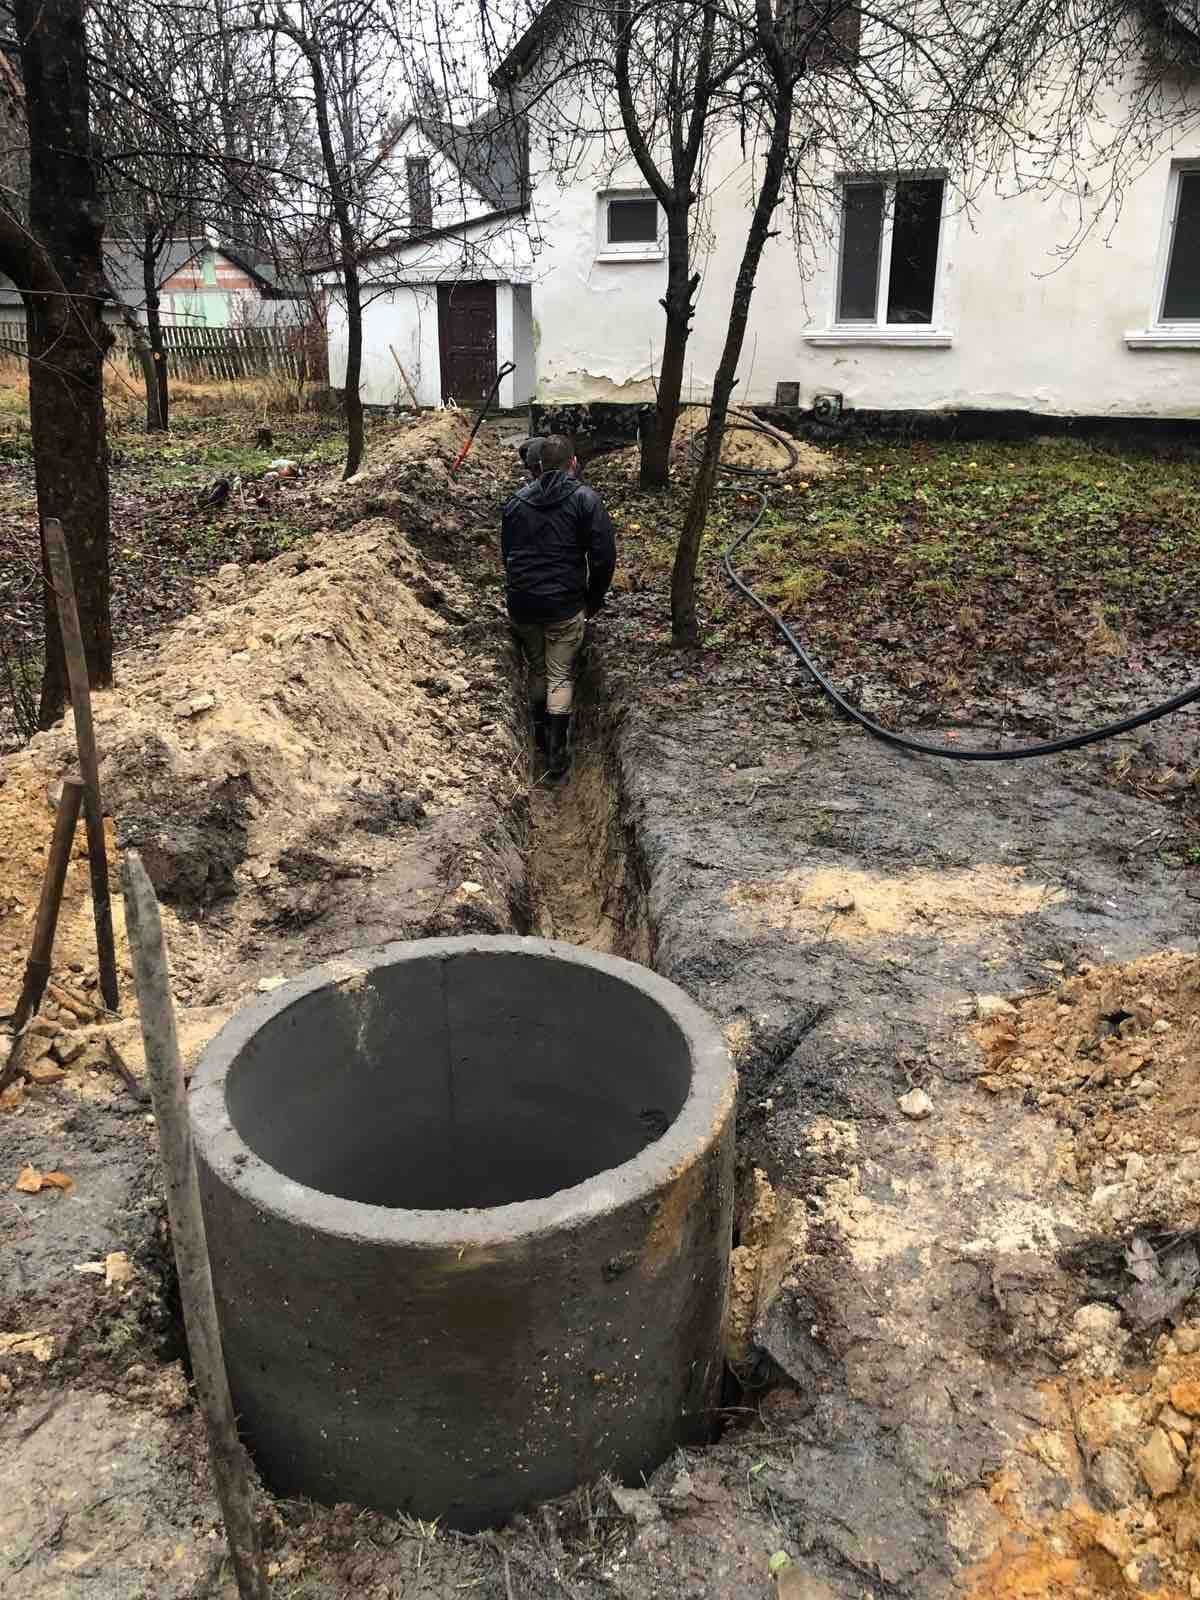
x,y
1182,333
1166,251
878,330
413,165
634,250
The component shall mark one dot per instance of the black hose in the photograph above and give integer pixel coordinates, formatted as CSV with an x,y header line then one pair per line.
x,y
899,741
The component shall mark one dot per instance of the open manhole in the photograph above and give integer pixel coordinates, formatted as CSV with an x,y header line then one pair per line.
x,y
468,1206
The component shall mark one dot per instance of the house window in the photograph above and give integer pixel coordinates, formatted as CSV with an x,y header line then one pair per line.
x,y
1181,280
420,194
891,237
629,227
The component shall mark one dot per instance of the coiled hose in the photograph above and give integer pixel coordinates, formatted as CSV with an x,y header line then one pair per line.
x,y
746,421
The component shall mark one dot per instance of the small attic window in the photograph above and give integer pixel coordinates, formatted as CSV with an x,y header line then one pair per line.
x,y
420,194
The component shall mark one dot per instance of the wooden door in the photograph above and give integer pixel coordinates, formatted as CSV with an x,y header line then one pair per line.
x,y
467,336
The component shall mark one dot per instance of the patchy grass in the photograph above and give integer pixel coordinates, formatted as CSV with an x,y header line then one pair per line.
x,y
1027,556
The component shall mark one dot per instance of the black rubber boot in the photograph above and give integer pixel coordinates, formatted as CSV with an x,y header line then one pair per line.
x,y
556,752
537,715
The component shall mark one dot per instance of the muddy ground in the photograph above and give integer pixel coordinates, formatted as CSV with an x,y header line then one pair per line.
x,y
944,1376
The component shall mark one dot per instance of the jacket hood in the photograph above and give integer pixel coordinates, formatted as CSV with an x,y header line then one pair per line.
x,y
551,489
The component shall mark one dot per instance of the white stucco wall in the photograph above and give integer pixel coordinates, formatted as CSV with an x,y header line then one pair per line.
x,y
400,309
1025,329
525,380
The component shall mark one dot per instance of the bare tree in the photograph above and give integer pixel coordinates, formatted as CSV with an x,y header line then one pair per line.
x,y
346,50
56,262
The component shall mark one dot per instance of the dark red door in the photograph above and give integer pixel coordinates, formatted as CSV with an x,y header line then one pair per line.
x,y
467,335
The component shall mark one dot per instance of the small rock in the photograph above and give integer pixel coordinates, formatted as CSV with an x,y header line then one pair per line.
x,y
1135,1168
639,1504
259,870
470,888
988,1006
1114,1480
1187,1338
47,1070
66,1049
1159,1465
269,985
916,1104
1108,1420
1162,1026
1114,1200
1174,1422
1185,1397
228,572
992,1083
1097,1321
201,702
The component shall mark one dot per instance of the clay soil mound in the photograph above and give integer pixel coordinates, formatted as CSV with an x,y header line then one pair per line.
x,y
744,448
1113,1054
316,711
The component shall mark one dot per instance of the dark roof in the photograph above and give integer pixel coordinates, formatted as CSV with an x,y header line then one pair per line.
x,y
123,266
394,246
527,46
265,270
491,153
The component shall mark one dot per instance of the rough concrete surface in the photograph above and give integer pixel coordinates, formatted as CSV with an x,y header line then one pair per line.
x,y
563,1121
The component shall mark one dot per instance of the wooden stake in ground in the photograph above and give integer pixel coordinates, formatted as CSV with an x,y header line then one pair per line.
x,y
37,968
407,383
165,1072
85,738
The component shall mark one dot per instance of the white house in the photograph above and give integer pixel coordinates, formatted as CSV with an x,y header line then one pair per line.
x,y
914,307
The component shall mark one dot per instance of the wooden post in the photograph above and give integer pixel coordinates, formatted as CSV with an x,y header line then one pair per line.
x,y
165,1072
37,968
85,739
407,384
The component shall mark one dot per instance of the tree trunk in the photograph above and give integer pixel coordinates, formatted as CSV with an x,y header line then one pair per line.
x,y
158,413
685,629
67,335
340,200
655,470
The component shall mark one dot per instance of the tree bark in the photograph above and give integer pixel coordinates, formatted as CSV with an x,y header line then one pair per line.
x,y
655,466
67,336
685,629
347,242
158,413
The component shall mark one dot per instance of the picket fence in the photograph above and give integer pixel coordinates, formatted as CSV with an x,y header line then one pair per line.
x,y
197,354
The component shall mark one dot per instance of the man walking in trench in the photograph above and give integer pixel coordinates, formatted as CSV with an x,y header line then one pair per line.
x,y
559,556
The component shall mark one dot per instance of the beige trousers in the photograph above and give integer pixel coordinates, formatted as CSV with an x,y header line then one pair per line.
x,y
552,649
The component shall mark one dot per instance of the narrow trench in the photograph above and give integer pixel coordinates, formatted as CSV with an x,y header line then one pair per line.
x,y
585,876
588,885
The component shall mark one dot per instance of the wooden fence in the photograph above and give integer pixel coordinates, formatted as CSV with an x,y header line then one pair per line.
x,y
199,354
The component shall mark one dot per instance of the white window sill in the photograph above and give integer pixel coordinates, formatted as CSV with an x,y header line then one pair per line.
x,y
899,338
1165,339
609,257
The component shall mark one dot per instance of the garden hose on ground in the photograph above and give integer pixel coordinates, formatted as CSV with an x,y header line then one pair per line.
x,y
1076,741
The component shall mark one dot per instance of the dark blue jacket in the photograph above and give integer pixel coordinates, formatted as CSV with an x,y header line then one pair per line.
x,y
558,547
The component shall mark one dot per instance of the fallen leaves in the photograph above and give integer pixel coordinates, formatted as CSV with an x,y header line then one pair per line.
x,y
38,1345
31,1181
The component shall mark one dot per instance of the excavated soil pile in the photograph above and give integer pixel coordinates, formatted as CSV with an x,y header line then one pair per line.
x,y
743,448
1104,1499
319,756
1113,1054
